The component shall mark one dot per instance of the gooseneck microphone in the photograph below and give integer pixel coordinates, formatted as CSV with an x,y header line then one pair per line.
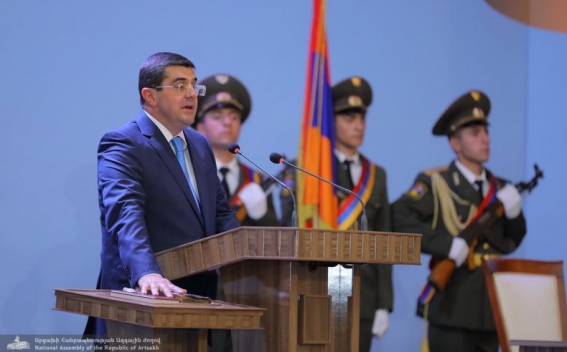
x,y
234,148
277,158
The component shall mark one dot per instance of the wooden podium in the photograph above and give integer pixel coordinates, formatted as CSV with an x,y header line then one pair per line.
x,y
167,327
286,271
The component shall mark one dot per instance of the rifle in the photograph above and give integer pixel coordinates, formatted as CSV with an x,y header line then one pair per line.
x,y
442,270
267,184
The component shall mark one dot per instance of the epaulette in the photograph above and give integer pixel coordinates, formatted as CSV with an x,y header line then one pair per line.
x,y
435,170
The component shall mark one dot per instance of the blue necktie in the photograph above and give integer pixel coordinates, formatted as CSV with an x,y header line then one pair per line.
x,y
178,145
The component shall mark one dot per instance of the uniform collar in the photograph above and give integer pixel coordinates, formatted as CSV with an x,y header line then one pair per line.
x,y
341,157
469,175
232,165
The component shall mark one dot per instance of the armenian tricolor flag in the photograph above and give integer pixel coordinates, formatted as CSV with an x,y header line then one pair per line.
x,y
317,202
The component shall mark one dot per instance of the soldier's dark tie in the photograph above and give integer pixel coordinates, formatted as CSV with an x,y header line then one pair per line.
x,y
479,184
224,170
346,165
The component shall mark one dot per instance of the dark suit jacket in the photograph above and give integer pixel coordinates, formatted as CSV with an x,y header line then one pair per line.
x,y
146,204
464,303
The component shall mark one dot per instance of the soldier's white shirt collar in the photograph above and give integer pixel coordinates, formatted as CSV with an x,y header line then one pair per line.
x,y
355,159
231,165
232,177
355,166
469,175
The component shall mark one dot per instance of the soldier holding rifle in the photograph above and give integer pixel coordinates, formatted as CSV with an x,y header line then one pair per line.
x,y
441,204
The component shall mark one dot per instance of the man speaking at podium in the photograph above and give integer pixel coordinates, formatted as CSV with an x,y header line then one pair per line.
x,y
158,186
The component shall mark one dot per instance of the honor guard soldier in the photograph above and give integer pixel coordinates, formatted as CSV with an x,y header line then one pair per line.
x,y
440,205
351,99
220,116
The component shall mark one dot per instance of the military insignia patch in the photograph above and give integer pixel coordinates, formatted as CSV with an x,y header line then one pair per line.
x,y
417,191
456,179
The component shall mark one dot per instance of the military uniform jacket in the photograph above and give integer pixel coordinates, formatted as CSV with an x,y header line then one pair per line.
x,y
376,280
464,303
270,218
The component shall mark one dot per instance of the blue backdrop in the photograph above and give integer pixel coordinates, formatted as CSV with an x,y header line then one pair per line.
x,y
69,73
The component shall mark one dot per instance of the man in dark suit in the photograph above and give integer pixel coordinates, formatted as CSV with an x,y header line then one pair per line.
x,y
439,205
351,99
157,185
220,117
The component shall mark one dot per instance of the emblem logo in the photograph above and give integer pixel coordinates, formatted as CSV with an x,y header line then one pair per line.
x,y
478,113
417,191
222,79
354,100
18,345
224,96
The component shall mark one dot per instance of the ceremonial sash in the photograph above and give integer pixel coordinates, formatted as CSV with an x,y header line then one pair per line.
x,y
490,197
350,208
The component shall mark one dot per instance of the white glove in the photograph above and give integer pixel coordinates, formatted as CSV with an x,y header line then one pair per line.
x,y
511,199
254,200
381,322
459,251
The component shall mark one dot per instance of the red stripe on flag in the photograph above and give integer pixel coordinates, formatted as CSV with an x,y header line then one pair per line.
x,y
317,202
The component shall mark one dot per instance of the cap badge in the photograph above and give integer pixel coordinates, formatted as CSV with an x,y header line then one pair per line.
x,y
478,113
475,95
356,81
223,96
222,79
354,100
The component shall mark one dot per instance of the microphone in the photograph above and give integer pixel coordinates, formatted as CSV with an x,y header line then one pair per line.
x,y
277,158
234,148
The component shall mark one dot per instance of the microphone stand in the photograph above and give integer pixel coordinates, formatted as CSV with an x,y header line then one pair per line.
x,y
235,149
277,158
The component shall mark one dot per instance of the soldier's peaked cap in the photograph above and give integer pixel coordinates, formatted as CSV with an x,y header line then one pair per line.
x,y
353,93
224,90
471,108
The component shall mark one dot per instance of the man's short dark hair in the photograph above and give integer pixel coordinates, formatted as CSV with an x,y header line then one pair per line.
x,y
152,70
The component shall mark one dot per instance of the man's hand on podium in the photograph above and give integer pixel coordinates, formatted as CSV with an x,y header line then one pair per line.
x,y
381,322
155,283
